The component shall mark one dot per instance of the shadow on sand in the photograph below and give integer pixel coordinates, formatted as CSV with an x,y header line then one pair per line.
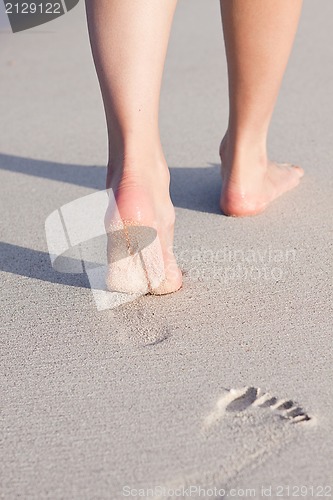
x,y
191,188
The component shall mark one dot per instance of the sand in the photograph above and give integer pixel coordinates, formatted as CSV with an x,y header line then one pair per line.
x,y
163,392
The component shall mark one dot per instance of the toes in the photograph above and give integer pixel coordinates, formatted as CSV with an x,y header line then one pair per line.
x,y
299,170
171,284
295,168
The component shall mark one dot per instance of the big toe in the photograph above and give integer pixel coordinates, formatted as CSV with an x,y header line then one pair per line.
x,y
170,284
294,168
299,170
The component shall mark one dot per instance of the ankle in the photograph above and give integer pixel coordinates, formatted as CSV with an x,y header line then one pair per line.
x,y
138,169
244,142
140,188
240,153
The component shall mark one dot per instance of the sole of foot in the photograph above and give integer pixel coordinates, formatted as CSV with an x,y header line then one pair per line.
x,y
140,224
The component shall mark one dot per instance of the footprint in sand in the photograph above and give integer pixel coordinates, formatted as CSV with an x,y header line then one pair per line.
x,y
238,400
245,427
137,320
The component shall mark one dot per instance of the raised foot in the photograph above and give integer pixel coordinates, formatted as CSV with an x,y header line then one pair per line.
x,y
139,223
249,193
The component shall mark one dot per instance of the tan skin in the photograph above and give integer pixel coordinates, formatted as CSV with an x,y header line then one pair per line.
x,y
129,40
259,35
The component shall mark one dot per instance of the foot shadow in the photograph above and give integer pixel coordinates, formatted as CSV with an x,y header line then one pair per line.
x,y
191,188
196,189
80,175
35,264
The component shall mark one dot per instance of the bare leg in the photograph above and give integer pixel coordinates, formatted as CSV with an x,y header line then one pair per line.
x,y
258,38
129,41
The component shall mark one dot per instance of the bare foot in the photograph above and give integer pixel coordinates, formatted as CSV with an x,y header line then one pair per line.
x,y
146,217
250,181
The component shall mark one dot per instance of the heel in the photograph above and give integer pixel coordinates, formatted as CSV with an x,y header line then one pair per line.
x,y
135,259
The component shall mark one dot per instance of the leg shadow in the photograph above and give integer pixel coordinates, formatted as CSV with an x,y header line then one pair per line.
x,y
191,188
35,264
196,189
